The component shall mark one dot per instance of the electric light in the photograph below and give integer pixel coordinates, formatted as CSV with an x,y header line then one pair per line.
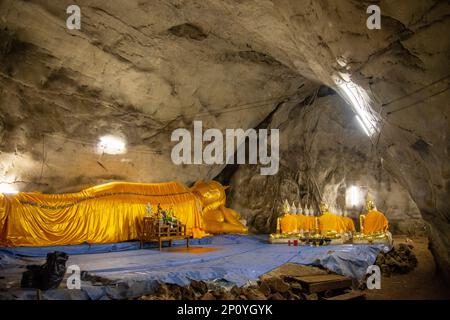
x,y
361,123
360,102
353,197
7,188
111,145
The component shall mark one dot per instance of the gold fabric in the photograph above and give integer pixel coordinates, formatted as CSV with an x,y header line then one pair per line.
x,y
191,250
310,223
331,222
102,214
291,223
217,218
349,224
375,221
288,223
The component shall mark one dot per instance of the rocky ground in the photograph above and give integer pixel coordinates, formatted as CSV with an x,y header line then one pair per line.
x,y
423,283
400,260
277,285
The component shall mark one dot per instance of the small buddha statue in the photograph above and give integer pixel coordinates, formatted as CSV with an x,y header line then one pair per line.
x,y
299,209
149,210
331,225
374,222
288,222
293,208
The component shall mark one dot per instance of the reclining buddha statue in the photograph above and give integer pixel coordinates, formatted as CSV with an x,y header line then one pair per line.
x,y
216,217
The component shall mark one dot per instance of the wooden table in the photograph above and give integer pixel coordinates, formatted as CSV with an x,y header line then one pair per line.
x,y
153,231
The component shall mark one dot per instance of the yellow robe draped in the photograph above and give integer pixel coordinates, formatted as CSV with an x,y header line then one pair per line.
x,y
107,213
288,223
331,222
291,223
349,224
375,221
310,223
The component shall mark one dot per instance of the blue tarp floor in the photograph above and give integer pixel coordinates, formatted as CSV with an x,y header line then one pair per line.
x,y
241,259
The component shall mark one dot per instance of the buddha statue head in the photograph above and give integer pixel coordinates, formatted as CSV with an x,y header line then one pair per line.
x,y
286,207
370,205
210,193
323,208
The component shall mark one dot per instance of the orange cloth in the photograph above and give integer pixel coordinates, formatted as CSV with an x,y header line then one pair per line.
x,y
112,212
349,224
375,221
305,223
310,223
331,222
301,222
288,223
106,213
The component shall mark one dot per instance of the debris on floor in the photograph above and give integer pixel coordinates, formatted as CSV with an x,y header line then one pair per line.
x,y
400,260
318,285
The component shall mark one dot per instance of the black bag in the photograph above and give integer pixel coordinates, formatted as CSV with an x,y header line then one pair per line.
x,y
47,276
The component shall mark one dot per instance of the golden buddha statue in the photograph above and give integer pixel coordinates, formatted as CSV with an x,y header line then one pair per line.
x,y
374,226
310,221
287,222
374,221
216,217
331,225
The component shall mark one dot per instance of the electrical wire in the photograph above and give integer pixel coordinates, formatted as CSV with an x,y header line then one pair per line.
x,y
419,101
84,142
415,91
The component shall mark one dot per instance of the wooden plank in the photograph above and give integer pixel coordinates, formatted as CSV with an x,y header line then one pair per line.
x,y
322,278
292,270
352,295
320,283
328,285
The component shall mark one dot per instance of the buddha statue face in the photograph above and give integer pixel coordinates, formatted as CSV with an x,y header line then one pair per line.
x,y
370,205
209,191
323,207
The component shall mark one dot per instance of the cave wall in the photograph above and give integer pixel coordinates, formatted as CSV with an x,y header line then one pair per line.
x,y
130,71
323,152
142,68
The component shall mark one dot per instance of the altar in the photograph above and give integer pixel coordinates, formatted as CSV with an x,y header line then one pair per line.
x,y
329,227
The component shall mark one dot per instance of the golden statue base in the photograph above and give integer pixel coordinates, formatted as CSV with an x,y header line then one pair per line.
x,y
375,238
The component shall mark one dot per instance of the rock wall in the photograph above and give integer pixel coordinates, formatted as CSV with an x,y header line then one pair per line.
x,y
142,68
134,70
323,152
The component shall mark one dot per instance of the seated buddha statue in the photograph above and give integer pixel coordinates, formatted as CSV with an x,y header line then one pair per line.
x,y
311,223
302,221
374,222
288,222
330,223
